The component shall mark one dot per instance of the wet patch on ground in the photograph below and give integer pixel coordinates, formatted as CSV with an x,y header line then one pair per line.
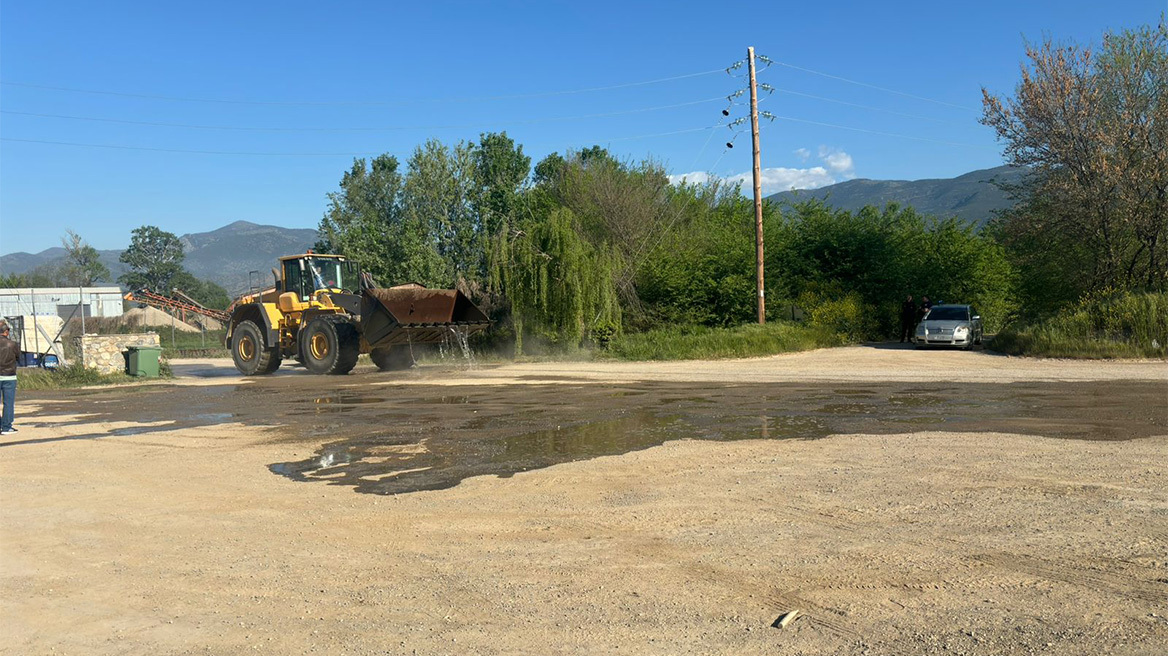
x,y
392,439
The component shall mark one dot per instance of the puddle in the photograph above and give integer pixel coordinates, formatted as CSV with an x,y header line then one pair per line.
x,y
416,437
445,400
497,439
138,430
348,399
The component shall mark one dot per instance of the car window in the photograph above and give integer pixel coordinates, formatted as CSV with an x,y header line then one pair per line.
x,y
942,313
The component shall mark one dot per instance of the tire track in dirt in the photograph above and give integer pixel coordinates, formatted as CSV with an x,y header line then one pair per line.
x,y
1074,574
1119,584
661,550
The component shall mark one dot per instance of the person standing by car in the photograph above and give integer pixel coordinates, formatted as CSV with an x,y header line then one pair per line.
x,y
926,305
9,351
908,319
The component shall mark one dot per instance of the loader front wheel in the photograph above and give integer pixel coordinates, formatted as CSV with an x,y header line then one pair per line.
x,y
250,353
392,358
329,345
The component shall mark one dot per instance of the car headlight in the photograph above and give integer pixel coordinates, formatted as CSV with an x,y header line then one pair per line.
x,y
921,329
960,330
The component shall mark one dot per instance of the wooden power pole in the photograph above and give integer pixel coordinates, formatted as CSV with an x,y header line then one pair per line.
x,y
757,188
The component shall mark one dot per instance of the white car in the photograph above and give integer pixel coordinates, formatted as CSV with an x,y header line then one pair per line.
x,y
949,325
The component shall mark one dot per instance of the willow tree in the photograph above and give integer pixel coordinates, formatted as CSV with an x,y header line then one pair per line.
x,y
559,286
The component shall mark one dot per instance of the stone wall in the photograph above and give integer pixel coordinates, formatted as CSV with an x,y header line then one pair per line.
x,y
104,352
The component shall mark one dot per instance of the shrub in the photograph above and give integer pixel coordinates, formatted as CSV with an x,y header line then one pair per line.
x,y
699,342
1102,325
847,316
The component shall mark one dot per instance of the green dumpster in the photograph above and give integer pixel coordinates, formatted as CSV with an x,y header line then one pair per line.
x,y
143,361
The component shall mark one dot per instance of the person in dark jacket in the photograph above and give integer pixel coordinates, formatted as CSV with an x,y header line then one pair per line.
x,y
908,319
926,305
9,352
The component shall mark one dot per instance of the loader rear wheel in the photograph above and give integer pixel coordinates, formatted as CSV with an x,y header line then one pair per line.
x,y
251,355
329,345
392,358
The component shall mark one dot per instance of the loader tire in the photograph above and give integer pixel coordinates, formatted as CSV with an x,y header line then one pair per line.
x,y
392,358
330,345
251,355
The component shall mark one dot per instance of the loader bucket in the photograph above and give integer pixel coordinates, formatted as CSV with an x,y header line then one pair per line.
x,y
414,314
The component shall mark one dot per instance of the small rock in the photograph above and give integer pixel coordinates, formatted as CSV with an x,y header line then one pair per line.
x,y
785,619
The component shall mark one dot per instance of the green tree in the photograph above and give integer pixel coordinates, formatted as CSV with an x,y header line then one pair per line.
x,y
365,222
205,292
559,287
438,201
1092,128
82,264
502,169
35,278
154,257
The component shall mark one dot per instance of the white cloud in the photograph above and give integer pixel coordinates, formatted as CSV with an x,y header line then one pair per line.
x,y
697,177
837,166
838,161
776,179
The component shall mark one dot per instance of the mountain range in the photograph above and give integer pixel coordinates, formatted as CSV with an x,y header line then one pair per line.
x,y
972,196
224,256
228,254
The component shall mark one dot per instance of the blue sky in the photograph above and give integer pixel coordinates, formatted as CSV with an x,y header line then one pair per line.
x,y
308,86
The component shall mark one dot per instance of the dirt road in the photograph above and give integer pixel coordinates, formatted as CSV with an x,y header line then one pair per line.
x,y
903,502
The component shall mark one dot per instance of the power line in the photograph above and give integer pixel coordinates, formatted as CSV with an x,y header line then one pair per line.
x,y
181,150
656,134
868,107
294,154
885,134
543,94
362,129
878,88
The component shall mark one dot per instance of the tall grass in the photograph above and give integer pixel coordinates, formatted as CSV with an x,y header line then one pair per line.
x,y
1117,325
66,377
699,342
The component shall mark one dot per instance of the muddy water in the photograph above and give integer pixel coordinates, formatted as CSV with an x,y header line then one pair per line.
x,y
397,438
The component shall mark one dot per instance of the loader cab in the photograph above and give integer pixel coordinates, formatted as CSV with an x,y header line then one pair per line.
x,y
305,274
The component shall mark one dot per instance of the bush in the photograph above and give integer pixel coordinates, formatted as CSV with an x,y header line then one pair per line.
x,y
1105,325
67,376
698,342
847,316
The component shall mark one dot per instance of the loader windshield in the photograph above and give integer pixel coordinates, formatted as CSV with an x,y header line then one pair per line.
x,y
331,273
305,275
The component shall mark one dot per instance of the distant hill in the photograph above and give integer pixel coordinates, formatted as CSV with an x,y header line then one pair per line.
x,y
227,255
224,256
971,196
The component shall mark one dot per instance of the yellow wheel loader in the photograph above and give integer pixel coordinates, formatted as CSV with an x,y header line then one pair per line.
x,y
323,311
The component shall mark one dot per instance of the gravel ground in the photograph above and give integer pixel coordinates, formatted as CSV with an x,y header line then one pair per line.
x,y
120,537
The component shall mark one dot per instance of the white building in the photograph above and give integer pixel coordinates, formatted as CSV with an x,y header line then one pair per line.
x,y
61,302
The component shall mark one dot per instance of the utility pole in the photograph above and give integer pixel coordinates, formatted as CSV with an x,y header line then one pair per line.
x,y
81,307
757,188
